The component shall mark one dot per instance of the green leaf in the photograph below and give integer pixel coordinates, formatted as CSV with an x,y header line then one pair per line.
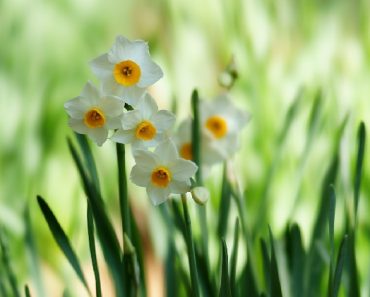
x,y
225,290
33,253
27,291
266,263
7,266
275,286
109,242
224,205
62,240
91,234
195,136
296,258
359,164
342,255
234,258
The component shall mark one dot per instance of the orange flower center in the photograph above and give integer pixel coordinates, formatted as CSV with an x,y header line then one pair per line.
x,y
161,177
127,73
94,118
145,131
217,125
186,151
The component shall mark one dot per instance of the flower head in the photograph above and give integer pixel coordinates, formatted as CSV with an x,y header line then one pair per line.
x,y
183,141
162,172
145,126
94,113
127,69
221,124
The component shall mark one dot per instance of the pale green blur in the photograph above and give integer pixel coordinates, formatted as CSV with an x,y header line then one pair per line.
x,y
279,47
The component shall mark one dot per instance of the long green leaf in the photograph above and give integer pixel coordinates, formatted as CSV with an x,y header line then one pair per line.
x,y
234,258
225,290
7,265
27,291
94,260
359,165
62,240
342,255
331,220
33,253
224,205
266,263
275,286
109,242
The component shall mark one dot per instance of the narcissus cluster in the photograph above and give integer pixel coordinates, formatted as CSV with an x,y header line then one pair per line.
x,y
122,110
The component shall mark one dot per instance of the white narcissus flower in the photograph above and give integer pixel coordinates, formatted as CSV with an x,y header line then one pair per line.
x,y
145,126
221,123
162,172
127,69
94,113
183,141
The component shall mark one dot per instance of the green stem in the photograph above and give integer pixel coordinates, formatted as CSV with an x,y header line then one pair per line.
x,y
122,186
190,247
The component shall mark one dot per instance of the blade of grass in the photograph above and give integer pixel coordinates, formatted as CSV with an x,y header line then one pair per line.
x,y
225,290
234,258
197,158
7,266
342,255
62,240
33,253
224,205
331,220
266,263
190,247
275,286
27,291
94,260
296,259
109,243
359,165
91,167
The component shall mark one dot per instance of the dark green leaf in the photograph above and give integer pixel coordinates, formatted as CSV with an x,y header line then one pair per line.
x,y
225,290
61,239
105,231
275,286
224,205
234,258
266,263
27,291
7,266
91,234
342,254
359,164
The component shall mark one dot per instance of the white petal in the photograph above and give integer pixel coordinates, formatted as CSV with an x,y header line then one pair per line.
x,y
147,106
123,136
91,93
140,176
77,107
124,49
183,169
150,72
164,120
180,187
99,135
167,152
101,67
131,119
144,144
145,159
78,126
111,87
114,123
132,95
157,195
112,106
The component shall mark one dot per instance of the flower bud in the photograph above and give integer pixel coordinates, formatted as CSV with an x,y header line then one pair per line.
x,y
200,195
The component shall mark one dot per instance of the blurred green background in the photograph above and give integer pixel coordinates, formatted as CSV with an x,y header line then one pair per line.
x,y
279,47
